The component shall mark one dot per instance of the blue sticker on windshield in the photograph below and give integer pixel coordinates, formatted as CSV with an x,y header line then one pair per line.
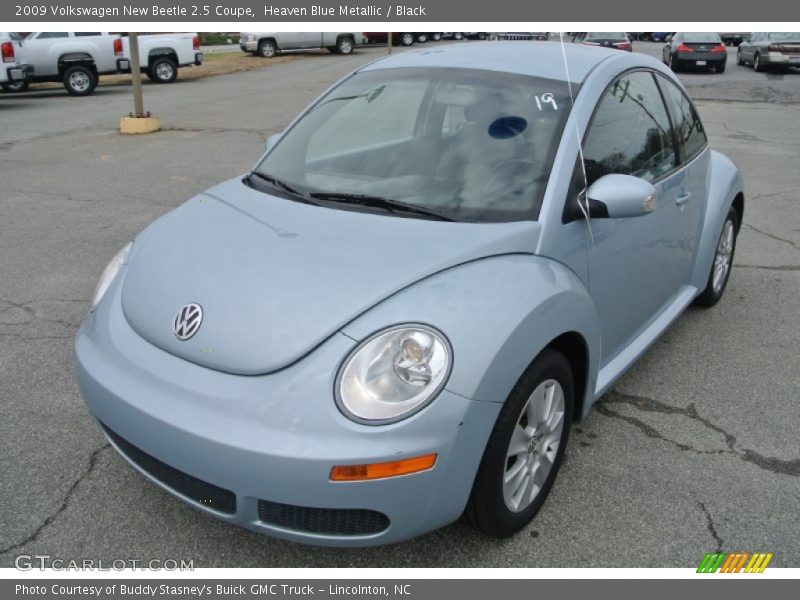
x,y
507,127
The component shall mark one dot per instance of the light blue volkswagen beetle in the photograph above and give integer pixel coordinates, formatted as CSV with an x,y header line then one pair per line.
x,y
394,319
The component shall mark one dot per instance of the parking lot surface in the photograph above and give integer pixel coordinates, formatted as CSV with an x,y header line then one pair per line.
x,y
696,449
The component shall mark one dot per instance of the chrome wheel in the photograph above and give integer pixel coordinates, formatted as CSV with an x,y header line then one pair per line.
x,y
79,81
534,445
723,257
164,71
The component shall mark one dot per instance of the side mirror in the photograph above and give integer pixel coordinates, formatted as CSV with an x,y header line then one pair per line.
x,y
272,140
622,196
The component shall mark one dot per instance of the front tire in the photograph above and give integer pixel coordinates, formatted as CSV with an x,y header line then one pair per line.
x,y
267,49
163,70
79,80
436,37
525,449
723,262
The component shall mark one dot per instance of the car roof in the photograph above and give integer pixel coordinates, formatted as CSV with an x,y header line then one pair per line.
x,y
536,59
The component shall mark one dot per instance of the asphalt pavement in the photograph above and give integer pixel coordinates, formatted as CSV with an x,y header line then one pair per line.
x,y
696,449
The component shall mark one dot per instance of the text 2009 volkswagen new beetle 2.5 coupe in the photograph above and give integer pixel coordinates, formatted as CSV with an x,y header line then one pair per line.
x,y
395,317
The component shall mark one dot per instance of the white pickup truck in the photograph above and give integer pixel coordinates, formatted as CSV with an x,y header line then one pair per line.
x,y
161,54
270,43
15,69
74,58
77,59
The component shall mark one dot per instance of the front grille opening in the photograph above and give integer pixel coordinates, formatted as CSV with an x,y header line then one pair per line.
x,y
205,494
326,521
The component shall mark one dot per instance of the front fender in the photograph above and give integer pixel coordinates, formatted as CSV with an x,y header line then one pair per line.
x,y
723,184
498,313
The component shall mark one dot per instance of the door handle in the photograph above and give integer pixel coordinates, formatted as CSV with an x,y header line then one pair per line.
x,y
683,198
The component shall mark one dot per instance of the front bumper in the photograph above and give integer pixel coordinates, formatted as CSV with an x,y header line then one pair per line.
x,y
19,73
247,46
272,440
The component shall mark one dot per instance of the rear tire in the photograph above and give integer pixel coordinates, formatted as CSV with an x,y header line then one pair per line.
x,y
739,59
674,63
163,70
79,80
344,45
757,64
720,69
723,262
525,449
436,37
406,39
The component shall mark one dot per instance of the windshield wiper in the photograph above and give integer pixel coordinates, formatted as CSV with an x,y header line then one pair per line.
x,y
283,185
379,202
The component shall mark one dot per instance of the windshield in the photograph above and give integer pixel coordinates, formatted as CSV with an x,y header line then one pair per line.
x,y
470,145
784,37
699,38
615,35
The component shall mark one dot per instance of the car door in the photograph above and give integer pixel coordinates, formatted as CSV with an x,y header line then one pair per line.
x,y
40,51
636,265
694,157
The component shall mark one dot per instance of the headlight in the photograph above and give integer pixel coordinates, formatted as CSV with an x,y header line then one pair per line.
x,y
109,273
393,374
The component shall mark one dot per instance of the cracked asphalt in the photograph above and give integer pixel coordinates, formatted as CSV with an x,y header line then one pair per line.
x,y
696,449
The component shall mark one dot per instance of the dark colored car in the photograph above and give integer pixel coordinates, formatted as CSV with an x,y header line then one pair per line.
x,y
763,50
733,38
618,40
704,50
399,38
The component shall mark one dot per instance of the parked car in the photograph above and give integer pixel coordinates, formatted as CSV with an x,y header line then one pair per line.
x,y
452,35
764,50
695,49
399,38
383,324
732,38
15,71
75,59
519,36
658,36
162,54
617,40
269,43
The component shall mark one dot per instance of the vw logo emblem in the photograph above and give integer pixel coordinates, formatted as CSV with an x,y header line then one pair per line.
x,y
187,321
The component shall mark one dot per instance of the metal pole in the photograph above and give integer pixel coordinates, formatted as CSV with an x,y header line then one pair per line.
x,y
136,75
389,42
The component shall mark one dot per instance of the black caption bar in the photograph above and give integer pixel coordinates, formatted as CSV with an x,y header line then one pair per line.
x,y
379,589
453,11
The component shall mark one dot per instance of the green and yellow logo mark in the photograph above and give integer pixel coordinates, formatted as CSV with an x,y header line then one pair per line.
x,y
734,562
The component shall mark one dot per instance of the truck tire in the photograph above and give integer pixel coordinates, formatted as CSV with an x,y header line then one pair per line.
x,y
345,45
162,70
16,87
79,80
267,49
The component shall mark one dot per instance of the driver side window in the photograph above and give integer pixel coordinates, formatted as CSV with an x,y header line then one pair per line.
x,y
630,132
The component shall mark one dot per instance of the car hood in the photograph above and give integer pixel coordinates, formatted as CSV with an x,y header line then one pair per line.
x,y
275,278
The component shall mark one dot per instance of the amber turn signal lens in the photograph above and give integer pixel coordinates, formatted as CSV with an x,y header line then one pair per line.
x,y
384,469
